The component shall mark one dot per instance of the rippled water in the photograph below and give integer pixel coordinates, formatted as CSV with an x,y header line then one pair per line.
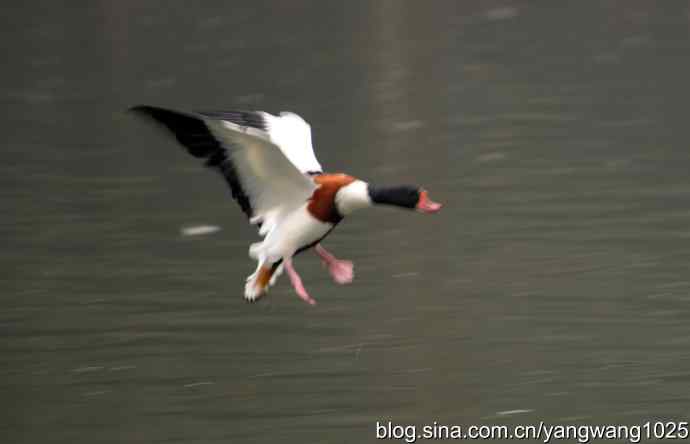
x,y
553,286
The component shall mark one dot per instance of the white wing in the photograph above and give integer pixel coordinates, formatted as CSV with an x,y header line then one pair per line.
x,y
262,175
271,182
292,134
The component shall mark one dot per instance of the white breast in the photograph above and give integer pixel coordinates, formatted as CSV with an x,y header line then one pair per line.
x,y
298,229
352,197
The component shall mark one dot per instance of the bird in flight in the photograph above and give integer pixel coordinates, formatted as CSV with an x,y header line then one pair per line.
x,y
269,164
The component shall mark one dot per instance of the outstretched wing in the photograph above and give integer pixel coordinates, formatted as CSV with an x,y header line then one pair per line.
x,y
262,179
288,131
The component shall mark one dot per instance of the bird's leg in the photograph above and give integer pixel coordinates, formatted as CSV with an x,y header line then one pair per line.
x,y
297,282
341,270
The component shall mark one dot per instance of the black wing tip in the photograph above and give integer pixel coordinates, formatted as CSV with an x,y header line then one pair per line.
x,y
139,108
155,113
191,131
147,110
158,112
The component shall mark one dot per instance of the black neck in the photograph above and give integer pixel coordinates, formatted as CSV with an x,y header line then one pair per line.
x,y
405,196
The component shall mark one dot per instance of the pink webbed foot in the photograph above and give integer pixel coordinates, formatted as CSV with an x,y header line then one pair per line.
x,y
341,271
297,283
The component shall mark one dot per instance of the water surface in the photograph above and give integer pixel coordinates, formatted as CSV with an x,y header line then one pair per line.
x,y
553,286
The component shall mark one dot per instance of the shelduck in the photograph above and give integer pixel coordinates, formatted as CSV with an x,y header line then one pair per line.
x,y
269,164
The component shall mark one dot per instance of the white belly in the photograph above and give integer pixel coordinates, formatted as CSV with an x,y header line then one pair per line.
x,y
297,230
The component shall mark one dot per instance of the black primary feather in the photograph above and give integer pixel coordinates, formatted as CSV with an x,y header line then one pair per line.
x,y
191,131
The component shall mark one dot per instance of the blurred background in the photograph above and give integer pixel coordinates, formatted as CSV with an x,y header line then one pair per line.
x,y
553,286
